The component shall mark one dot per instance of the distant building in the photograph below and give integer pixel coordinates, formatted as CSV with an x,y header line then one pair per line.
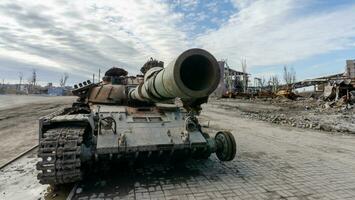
x,y
350,68
231,80
344,81
56,91
221,86
22,89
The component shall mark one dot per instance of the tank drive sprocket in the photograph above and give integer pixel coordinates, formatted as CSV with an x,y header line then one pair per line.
x,y
226,146
60,150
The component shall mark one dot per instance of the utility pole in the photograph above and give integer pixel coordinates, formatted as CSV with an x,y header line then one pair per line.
x,y
20,75
228,78
245,75
34,77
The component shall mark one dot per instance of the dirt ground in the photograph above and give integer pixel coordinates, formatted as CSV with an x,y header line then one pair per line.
x,y
273,162
303,113
19,121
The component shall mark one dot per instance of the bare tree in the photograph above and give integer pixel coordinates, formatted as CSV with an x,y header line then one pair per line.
x,y
274,82
245,75
63,79
262,82
289,75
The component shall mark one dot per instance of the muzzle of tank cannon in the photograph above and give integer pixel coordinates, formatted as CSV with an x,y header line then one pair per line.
x,y
193,74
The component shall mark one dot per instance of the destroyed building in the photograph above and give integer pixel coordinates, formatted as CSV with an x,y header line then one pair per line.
x,y
231,82
333,87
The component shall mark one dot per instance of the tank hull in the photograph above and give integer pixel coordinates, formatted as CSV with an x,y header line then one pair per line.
x,y
143,133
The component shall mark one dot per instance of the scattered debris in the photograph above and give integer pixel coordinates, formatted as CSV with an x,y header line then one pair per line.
x,y
287,93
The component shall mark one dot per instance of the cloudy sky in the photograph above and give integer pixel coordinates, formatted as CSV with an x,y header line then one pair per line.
x,y
315,37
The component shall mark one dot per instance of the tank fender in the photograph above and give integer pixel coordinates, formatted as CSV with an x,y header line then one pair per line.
x,y
51,120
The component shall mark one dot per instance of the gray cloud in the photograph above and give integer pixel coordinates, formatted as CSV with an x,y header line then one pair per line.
x,y
84,35
78,53
282,36
27,18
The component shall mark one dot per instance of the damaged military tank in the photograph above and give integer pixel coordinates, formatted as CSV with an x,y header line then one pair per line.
x,y
153,115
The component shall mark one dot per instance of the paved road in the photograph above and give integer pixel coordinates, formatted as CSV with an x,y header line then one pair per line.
x,y
273,163
13,101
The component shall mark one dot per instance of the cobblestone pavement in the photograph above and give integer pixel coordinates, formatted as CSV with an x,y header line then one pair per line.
x,y
273,163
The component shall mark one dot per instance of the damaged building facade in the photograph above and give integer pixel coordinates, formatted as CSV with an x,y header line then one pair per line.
x,y
231,81
335,86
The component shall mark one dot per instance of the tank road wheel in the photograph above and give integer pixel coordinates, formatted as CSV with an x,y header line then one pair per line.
x,y
226,146
60,150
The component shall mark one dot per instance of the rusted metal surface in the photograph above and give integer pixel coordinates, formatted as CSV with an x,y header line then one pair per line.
x,y
108,94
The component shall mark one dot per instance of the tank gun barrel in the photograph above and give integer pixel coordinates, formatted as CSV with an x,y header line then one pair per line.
x,y
193,74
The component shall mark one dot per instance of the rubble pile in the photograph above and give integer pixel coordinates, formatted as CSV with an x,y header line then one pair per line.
x,y
330,116
338,116
311,120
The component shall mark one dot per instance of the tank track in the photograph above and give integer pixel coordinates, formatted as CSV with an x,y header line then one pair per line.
x,y
60,150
